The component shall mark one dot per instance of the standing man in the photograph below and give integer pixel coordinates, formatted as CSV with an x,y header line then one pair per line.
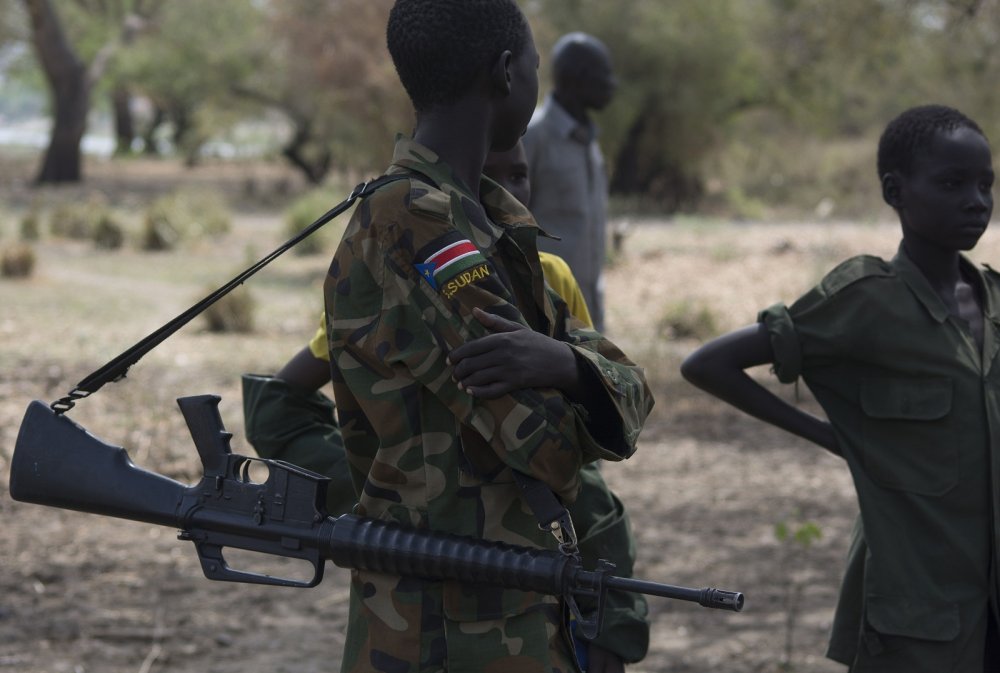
x,y
569,195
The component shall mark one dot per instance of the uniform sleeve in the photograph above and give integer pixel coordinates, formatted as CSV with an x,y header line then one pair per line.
x,y
819,328
400,325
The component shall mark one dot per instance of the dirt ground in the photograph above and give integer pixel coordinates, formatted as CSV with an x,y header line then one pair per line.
x,y
707,488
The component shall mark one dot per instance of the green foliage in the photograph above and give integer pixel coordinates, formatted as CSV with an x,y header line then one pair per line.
x,y
186,214
802,533
687,320
17,261
740,106
233,313
187,65
307,209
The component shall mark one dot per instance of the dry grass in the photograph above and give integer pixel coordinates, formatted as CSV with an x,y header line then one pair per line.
x,y
706,488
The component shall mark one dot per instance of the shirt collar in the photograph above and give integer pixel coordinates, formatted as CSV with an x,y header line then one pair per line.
x,y
921,287
503,211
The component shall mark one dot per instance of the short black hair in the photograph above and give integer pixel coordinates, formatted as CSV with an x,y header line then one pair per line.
x,y
912,131
440,46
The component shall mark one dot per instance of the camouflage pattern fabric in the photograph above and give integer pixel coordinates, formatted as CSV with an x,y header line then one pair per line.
x,y
414,261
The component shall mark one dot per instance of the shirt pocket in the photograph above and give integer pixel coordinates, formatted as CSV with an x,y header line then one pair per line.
x,y
908,442
912,617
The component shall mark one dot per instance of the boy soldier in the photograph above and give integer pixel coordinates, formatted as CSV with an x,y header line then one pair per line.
x,y
903,357
289,419
453,365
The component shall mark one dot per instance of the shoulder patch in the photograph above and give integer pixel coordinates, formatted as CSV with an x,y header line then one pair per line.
x,y
854,269
450,258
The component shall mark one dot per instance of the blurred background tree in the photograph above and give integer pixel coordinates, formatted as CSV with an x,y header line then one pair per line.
x,y
737,106
74,44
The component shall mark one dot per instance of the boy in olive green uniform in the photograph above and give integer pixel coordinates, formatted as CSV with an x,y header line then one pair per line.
x,y
903,357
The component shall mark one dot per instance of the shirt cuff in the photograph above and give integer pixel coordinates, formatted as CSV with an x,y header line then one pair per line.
x,y
784,342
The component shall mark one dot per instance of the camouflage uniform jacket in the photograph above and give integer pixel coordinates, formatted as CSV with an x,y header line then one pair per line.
x,y
415,259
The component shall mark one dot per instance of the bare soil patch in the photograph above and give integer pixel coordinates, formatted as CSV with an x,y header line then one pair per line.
x,y
81,593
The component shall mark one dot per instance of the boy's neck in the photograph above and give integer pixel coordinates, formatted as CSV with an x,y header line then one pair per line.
x,y
940,267
459,135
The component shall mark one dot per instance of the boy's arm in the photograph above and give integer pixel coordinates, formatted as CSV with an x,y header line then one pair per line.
x,y
305,372
719,367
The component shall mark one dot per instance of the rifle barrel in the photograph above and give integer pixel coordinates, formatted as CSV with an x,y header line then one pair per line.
x,y
708,597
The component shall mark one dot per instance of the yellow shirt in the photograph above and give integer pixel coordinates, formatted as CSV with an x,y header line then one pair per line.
x,y
557,275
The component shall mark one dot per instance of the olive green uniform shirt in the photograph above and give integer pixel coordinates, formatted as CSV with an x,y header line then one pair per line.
x,y
417,256
914,405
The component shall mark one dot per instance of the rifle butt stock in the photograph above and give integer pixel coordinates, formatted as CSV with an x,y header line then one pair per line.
x,y
58,463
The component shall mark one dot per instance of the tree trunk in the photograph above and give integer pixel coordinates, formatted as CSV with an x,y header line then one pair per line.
x,y
70,90
149,136
124,124
297,151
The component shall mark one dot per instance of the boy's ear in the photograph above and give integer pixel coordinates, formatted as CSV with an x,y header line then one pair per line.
x,y
891,189
500,73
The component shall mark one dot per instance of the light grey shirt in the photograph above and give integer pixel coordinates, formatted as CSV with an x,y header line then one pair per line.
x,y
569,196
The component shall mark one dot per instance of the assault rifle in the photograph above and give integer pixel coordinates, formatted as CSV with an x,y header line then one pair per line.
x,y
58,463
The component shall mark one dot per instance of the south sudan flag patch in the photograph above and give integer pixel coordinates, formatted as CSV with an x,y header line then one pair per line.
x,y
448,258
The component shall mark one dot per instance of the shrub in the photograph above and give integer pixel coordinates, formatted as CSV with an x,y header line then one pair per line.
x,y
74,220
17,261
108,234
31,228
684,320
182,215
233,313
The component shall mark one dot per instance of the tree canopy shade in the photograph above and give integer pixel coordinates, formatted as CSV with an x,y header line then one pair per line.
x,y
700,81
327,70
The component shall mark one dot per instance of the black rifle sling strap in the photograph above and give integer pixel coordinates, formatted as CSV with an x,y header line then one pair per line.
x,y
118,367
552,515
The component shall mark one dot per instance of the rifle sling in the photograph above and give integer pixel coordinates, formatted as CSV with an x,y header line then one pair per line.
x,y
116,368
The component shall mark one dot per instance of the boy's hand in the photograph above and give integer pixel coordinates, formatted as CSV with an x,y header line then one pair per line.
x,y
512,358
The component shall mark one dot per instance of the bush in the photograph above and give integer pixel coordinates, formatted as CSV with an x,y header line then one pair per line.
x,y
684,320
186,214
77,220
108,234
233,313
31,228
306,210
17,261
